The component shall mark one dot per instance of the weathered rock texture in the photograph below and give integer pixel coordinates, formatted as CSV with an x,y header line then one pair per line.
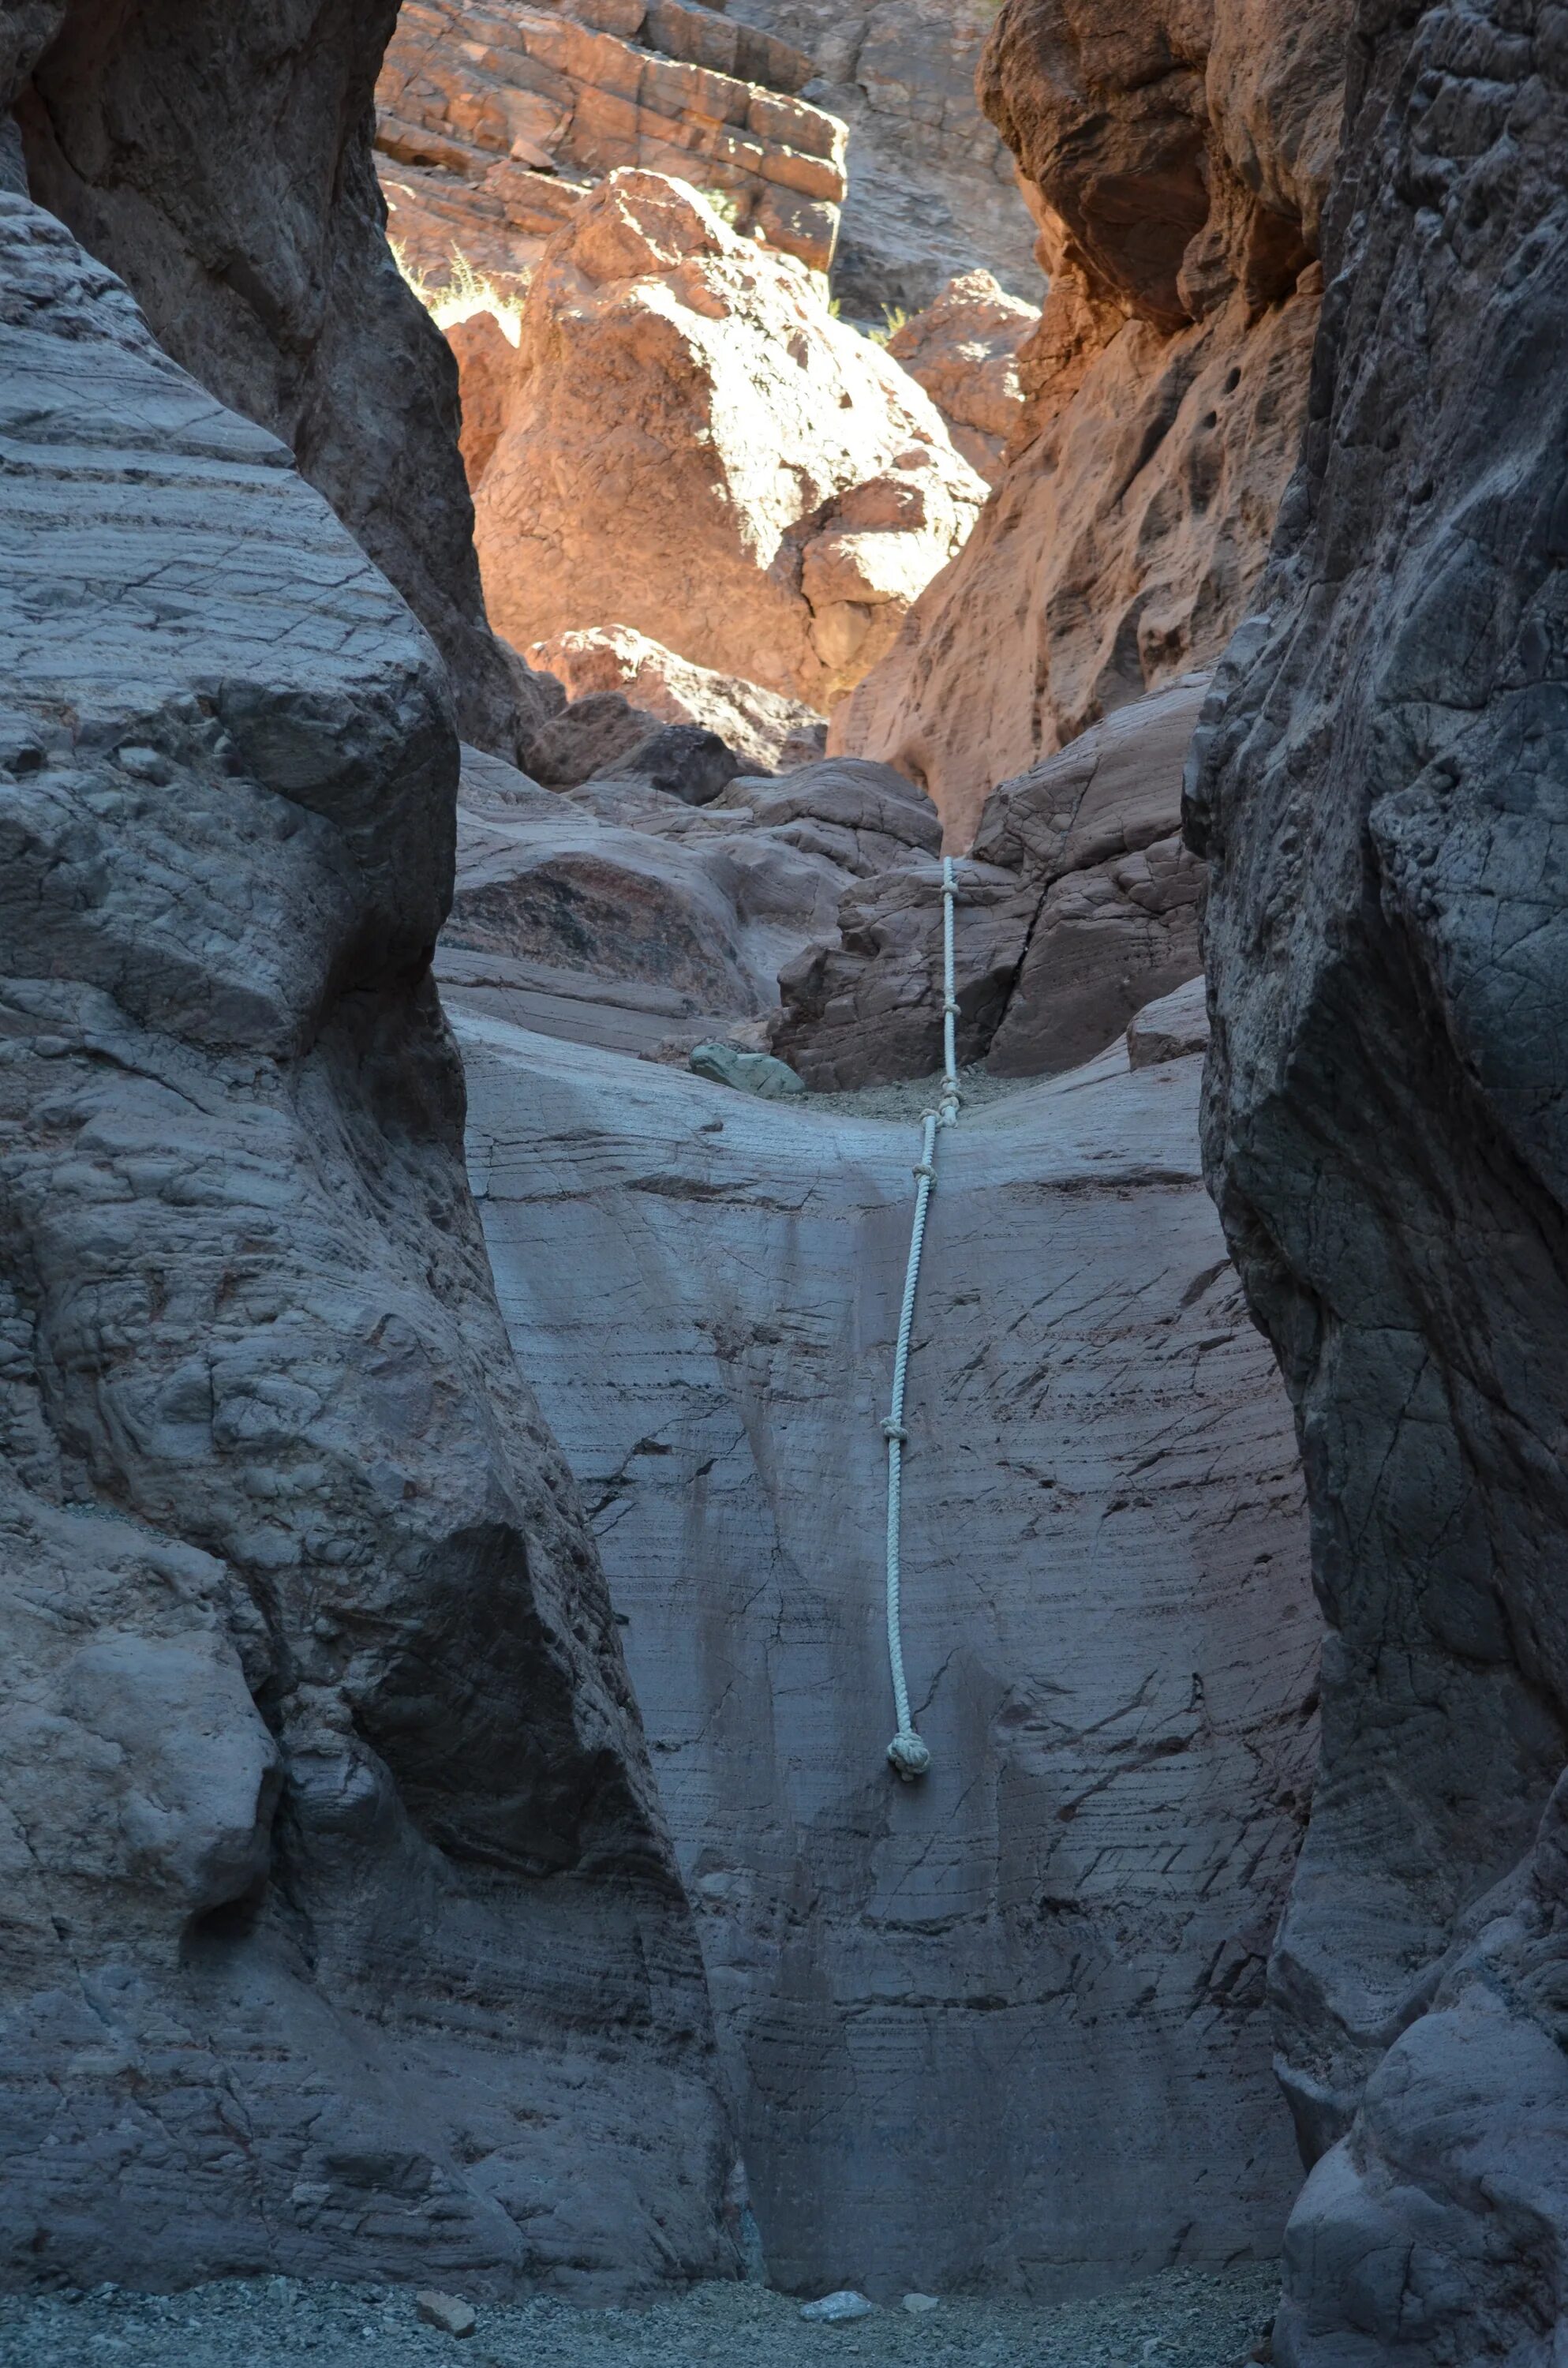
x,y
218,159
1096,832
1177,160
963,350
494,120
772,733
1381,793
694,447
1078,906
342,1932
932,190
1009,2025
621,916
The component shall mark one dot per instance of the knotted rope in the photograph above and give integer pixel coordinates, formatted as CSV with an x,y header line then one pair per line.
x,y
906,1752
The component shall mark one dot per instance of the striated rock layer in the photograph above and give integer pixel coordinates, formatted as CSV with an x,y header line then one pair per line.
x,y
342,1933
693,447
1382,792
218,159
1176,161
1009,2025
494,121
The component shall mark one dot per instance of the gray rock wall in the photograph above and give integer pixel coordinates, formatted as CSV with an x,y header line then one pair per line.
x,y
220,160
932,190
342,1932
1382,790
1008,2026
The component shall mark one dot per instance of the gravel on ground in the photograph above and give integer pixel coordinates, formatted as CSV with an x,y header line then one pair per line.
x,y
1184,2318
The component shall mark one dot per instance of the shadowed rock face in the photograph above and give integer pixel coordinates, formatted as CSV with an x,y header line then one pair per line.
x,y
1381,788
342,1932
218,159
1176,158
1009,2025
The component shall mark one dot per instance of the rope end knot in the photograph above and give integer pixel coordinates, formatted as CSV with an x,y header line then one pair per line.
x,y
909,1755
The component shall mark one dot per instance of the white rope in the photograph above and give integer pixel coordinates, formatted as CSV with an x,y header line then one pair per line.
x,y
908,1754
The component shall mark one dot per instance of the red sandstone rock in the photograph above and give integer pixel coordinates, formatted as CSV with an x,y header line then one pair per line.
x,y
772,733
963,349
1177,170
694,447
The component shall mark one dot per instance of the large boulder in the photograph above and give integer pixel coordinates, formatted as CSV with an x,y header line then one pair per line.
x,y
218,159
1177,164
320,1780
963,350
1007,2028
1096,832
695,448
1380,792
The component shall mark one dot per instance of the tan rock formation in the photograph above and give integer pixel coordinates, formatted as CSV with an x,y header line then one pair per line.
x,y
696,447
494,121
963,350
1177,162
770,732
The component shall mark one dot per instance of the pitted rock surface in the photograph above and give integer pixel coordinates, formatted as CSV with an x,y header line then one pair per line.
x,y
342,1926
1035,1982
1176,161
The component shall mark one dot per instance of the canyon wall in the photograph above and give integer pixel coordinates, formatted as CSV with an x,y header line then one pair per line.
x,y
343,1932
220,160
1177,164
1382,791
932,190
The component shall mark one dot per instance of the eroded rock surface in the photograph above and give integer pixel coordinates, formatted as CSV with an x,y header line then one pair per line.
x,y
963,350
931,187
1177,160
342,1932
693,447
1381,795
218,159
1009,2025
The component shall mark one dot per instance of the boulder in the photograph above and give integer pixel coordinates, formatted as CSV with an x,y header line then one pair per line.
x,y
748,1073
963,350
487,359
1177,170
696,448
1380,788
218,159
770,733
867,1006
1098,830
1034,1983
319,1773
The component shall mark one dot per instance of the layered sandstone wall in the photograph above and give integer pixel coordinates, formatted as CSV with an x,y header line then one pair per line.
x,y
218,159
342,1930
1176,163
492,124
1381,792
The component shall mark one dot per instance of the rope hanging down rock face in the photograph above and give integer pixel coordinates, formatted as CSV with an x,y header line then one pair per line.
x,y
906,1752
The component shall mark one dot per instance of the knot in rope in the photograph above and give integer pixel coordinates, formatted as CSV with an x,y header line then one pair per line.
x,y
906,1752
909,1755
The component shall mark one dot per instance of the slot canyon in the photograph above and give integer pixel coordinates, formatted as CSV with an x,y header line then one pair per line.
x,y
783,793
